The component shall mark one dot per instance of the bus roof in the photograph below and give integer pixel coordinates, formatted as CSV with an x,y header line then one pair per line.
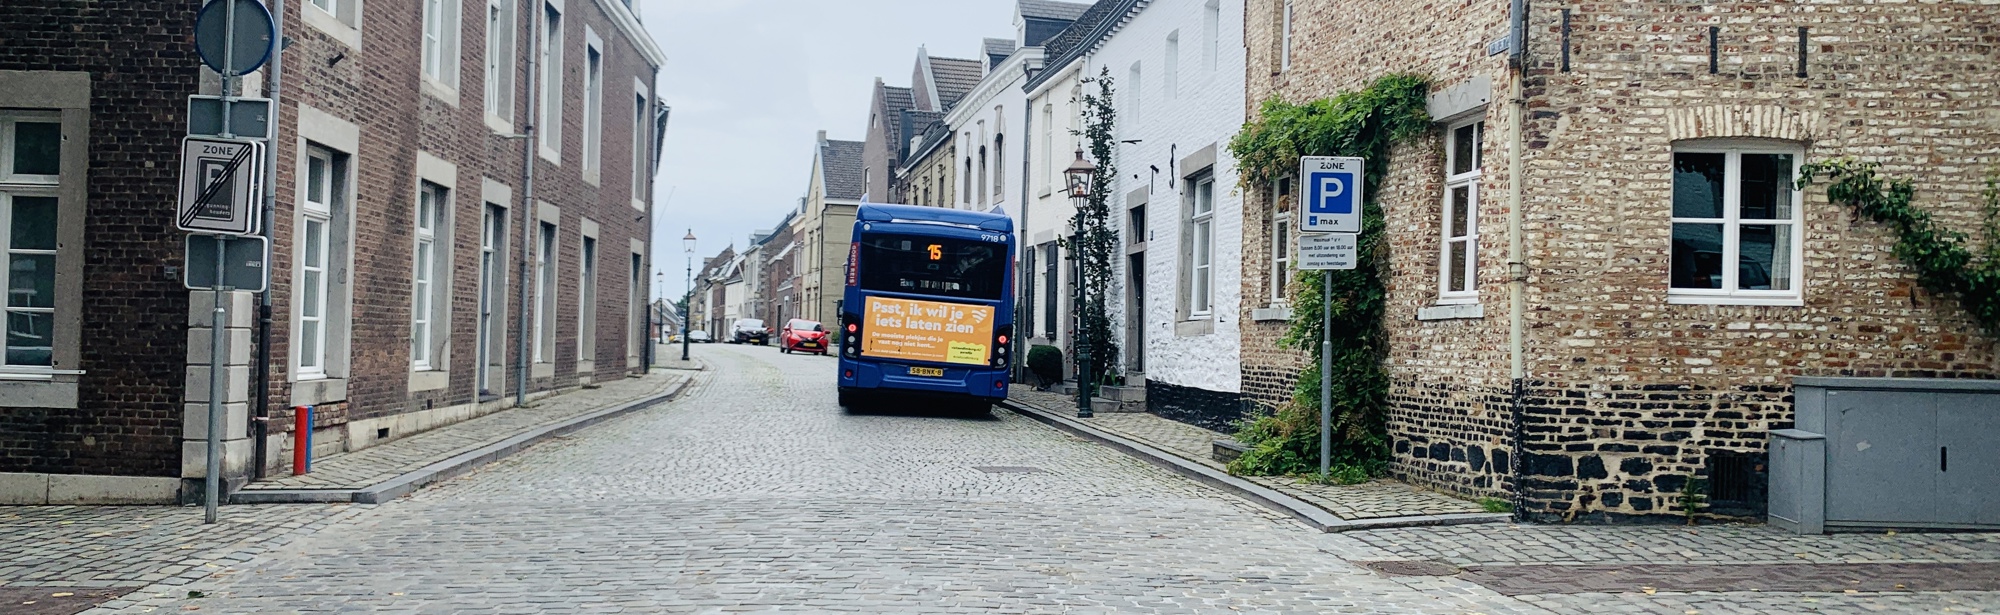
x,y
878,212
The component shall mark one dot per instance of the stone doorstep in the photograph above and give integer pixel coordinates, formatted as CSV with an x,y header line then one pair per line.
x,y
1312,515
1226,450
456,465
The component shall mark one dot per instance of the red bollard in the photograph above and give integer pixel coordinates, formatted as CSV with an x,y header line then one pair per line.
x,y
301,439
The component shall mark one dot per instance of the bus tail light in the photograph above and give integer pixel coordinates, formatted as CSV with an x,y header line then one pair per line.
x,y
1001,351
850,338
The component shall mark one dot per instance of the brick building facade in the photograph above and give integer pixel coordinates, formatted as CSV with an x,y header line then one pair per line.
x,y
1661,333
396,232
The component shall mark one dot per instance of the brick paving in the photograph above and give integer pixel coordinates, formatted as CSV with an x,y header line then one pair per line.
x,y
1377,499
375,464
752,492
1833,578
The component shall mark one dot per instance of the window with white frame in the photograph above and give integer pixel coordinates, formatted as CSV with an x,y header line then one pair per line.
x,y
586,330
440,41
1281,256
1200,249
549,125
545,295
330,6
1048,144
432,201
1211,27
338,19
1736,223
1134,102
315,248
642,168
1170,68
593,107
30,178
1458,252
500,60
1285,38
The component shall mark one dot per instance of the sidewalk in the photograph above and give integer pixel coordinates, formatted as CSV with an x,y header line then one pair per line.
x,y
389,470
1375,504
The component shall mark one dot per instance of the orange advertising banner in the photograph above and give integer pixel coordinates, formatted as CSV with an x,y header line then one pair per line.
x,y
927,331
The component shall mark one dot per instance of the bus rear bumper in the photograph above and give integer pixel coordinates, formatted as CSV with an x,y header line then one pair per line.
x,y
986,384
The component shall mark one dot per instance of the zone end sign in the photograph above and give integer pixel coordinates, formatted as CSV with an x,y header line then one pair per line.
x,y
221,180
1330,194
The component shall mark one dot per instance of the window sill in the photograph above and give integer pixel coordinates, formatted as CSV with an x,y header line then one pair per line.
x,y
46,389
542,370
333,27
499,125
593,177
1277,312
547,154
1191,328
639,204
319,390
429,380
1452,311
1135,248
438,89
1673,299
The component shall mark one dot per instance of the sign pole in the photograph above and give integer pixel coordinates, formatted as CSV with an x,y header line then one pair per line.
x,y
1330,224
213,483
1326,377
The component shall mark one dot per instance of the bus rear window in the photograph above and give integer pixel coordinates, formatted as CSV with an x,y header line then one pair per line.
x,y
940,266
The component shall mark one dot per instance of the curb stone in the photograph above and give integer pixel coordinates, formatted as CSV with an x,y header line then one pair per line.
x,y
456,465
1313,516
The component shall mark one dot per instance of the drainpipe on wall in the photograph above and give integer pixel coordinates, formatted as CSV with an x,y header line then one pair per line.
x,y
260,426
1517,268
1027,166
527,213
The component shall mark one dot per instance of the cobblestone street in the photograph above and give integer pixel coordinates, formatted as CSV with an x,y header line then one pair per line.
x,y
753,492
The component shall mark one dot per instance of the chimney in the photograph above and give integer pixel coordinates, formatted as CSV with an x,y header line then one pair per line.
x,y
822,137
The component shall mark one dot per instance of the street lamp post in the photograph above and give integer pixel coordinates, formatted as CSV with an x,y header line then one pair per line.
x,y
1080,175
687,303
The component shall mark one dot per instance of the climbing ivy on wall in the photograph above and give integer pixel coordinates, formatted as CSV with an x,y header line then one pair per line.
x,y
1945,260
1364,123
1094,235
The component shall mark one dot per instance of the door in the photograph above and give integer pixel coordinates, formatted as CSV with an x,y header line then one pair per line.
x,y
492,234
1968,458
1135,314
1882,457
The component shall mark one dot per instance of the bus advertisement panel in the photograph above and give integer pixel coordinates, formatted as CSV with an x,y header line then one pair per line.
x,y
916,330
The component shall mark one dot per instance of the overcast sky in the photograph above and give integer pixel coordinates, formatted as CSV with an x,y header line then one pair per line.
x,y
752,83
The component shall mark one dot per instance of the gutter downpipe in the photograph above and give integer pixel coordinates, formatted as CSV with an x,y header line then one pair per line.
x,y
532,143
1517,268
261,428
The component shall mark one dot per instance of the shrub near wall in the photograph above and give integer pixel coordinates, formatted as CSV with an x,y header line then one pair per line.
x,y
1362,123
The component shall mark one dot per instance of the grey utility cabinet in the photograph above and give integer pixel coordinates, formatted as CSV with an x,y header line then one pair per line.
x,y
1888,453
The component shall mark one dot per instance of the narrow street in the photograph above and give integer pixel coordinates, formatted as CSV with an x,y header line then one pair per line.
x,y
754,492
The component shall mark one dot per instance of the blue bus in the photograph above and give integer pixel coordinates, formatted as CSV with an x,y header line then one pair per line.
x,y
929,306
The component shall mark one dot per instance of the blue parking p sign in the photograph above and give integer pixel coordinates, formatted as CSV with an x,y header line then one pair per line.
x,y
1330,194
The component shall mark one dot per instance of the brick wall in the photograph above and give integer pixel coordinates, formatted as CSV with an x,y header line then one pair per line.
x,y
134,310
1627,394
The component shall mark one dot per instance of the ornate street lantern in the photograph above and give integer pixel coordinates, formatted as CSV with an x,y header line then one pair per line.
x,y
1080,174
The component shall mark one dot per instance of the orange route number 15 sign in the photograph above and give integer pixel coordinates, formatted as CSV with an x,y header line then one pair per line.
x,y
916,330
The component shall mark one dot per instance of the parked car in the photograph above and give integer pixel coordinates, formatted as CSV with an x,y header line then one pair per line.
x,y
699,336
747,330
801,335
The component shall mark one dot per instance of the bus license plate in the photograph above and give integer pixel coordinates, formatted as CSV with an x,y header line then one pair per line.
x,y
927,371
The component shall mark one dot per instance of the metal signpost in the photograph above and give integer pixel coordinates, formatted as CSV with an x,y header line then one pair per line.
x,y
1329,239
221,179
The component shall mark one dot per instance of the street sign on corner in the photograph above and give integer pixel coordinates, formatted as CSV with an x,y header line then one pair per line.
x,y
1329,251
1330,194
220,182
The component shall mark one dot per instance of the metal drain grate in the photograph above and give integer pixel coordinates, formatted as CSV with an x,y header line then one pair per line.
x,y
1411,568
1009,469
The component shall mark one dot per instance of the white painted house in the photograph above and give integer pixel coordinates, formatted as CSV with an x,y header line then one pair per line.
x,y
1178,73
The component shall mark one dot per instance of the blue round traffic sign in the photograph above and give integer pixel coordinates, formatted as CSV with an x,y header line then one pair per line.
x,y
250,45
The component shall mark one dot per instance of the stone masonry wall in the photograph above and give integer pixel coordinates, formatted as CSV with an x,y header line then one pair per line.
x,y
1641,393
134,336
1628,395
1450,397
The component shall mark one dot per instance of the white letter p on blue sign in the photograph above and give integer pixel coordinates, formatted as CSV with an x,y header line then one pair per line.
x,y
1331,197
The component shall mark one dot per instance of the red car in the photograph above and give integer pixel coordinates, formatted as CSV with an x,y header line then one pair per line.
x,y
802,335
